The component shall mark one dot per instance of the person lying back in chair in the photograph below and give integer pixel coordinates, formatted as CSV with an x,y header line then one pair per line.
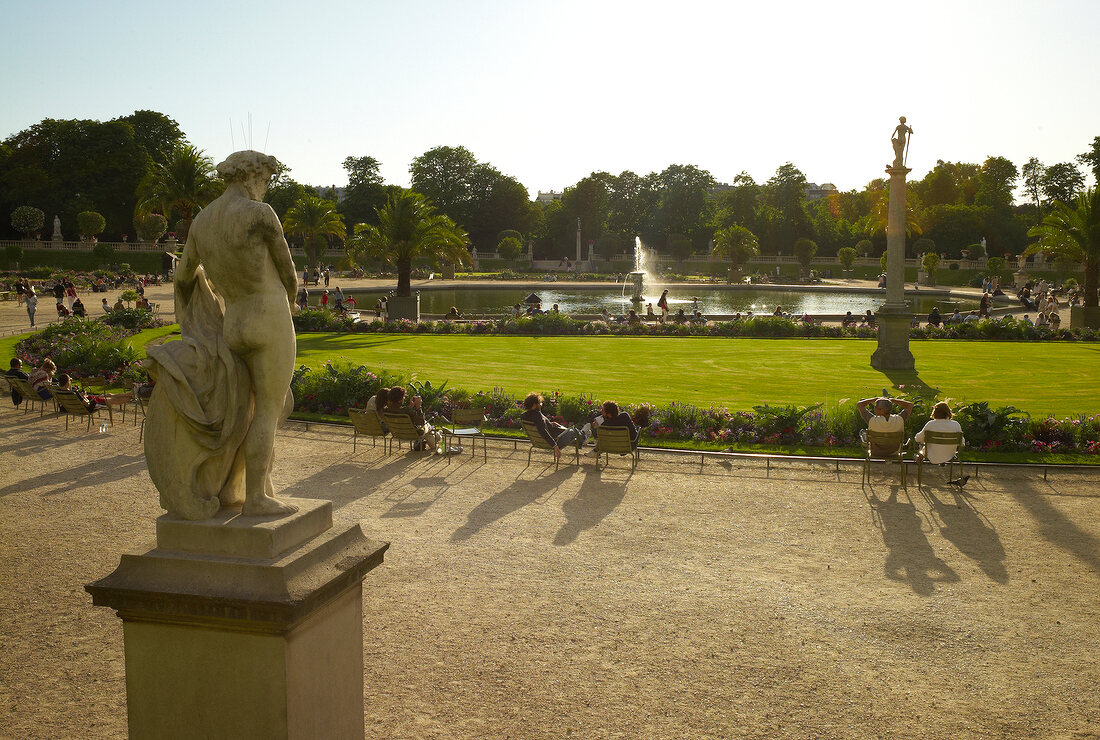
x,y
613,417
91,402
554,433
881,420
941,422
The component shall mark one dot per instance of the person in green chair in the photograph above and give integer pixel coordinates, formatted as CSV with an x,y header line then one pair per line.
x,y
880,419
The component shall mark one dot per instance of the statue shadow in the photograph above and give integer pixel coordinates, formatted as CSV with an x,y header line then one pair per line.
x,y
911,558
1054,525
354,479
970,532
910,382
594,501
91,473
512,498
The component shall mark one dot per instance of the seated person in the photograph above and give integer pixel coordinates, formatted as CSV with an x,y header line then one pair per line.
x,y
632,317
454,313
78,308
106,308
41,377
941,422
63,312
377,404
91,402
848,320
699,318
807,319
555,309
1025,320
778,311
613,417
650,316
606,316
956,318
143,303
680,317
145,389
429,438
934,318
349,303
1055,320
972,316
1042,319
881,420
555,434
868,318
516,311
16,371
119,305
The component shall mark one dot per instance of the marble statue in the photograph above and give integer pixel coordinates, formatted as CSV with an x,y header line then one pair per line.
x,y
223,388
57,229
900,140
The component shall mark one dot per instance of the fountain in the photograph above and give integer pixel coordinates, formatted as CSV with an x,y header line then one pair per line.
x,y
637,277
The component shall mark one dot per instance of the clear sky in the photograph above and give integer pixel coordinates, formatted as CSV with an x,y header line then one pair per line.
x,y
550,91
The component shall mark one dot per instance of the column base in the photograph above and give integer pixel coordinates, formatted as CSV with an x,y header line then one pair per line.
x,y
403,307
245,627
893,339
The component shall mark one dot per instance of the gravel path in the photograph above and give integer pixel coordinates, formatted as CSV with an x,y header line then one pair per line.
x,y
678,601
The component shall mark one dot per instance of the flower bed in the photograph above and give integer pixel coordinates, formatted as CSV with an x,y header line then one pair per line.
x,y
337,387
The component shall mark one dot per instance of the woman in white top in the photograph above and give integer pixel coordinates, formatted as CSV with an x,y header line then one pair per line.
x,y
941,422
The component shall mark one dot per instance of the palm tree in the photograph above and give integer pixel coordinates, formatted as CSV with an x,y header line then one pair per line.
x,y
311,217
409,228
185,183
1073,234
876,221
737,243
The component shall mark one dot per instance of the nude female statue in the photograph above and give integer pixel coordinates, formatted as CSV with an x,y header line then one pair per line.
x,y
224,387
899,141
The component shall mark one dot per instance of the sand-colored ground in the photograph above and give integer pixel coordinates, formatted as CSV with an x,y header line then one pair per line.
x,y
678,601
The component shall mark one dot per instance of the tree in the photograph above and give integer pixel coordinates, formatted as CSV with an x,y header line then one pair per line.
x,y
362,171
882,261
846,256
1091,159
737,243
684,202
27,220
996,180
510,248
1034,173
104,252
409,228
864,247
785,193
930,262
184,184
922,246
805,250
679,246
995,264
1062,182
154,132
90,223
445,176
314,219
1074,235
151,227
13,255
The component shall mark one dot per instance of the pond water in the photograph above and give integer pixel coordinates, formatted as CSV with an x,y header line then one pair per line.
x,y
710,300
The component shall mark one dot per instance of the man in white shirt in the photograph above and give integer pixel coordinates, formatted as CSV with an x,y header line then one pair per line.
x,y
881,420
941,422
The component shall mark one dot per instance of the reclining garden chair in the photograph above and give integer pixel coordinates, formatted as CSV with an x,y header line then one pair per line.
x,y
470,421
537,441
615,440
886,441
941,438
29,394
71,405
368,424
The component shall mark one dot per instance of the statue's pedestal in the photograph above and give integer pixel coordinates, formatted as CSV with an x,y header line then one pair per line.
x,y
893,339
1082,316
245,627
403,307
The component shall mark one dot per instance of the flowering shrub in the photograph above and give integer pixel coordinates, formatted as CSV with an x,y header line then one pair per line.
x,y
83,349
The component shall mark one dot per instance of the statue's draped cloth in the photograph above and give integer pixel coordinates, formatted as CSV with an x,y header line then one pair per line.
x,y
200,410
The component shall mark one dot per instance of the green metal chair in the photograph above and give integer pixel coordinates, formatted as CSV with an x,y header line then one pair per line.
x,y
466,424
367,423
885,441
615,440
537,441
940,438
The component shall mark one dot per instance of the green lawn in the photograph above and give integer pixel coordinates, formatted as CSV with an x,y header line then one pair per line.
x,y
1040,377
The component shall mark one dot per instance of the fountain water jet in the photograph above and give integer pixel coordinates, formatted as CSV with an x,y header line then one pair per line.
x,y
637,277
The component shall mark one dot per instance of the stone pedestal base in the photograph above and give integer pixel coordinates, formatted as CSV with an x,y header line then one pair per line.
x,y
404,307
448,272
245,627
1080,317
893,339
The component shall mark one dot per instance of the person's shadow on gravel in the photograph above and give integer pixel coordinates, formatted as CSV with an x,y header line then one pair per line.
x,y
594,501
963,526
911,558
504,502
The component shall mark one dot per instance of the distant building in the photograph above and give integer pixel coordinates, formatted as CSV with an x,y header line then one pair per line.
x,y
817,192
545,198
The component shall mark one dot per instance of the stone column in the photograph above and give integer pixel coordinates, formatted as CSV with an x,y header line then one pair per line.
x,y
894,316
245,627
578,240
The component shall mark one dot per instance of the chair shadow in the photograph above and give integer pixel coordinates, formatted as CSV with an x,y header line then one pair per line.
x,y
911,381
92,473
513,498
1055,526
970,532
911,558
594,501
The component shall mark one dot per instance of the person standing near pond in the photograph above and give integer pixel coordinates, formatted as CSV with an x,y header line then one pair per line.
x,y
662,303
